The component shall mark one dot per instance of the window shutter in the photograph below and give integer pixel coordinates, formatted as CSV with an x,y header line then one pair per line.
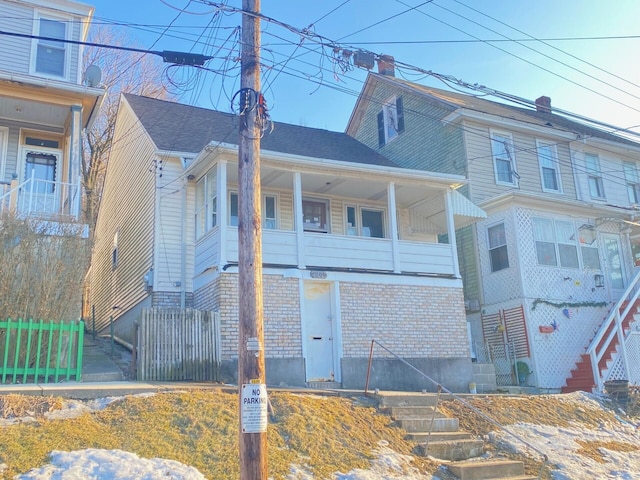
x,y
381,138
400,114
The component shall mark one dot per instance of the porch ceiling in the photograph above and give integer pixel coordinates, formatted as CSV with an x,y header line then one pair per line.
x,y
30,111
338,185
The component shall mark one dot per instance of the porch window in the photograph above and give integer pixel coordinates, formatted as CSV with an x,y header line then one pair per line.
x,y
594,176
567,249
503,158
557,244
549,167
498,247
589,246
314,215
269,211
206,203
633,183
42,167
365,222
545,241
50,54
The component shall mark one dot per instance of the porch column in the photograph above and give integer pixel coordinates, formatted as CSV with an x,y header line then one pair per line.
x,y
297,209
393,225
451,231
222,211
75,144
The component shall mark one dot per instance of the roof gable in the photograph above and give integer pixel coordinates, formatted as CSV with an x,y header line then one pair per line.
x,y
184,128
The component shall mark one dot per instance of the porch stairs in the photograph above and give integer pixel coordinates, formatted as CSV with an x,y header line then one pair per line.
x,y
581,377
417,414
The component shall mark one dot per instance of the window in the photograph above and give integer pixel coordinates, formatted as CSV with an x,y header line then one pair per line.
x,y
50,54
594,176
549,167
42,168
314,215
498,248
114,251
269,210
503,160
557,244
365,221
390,120
206,203
633,184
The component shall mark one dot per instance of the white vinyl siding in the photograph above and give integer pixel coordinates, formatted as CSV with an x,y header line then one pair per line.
x,y
549,167
15,53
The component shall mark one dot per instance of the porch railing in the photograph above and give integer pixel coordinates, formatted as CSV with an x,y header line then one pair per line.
x,y
42,198
611,333
34,351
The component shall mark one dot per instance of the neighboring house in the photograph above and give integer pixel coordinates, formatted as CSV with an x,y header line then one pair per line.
x,y
561,240
354,247
44,107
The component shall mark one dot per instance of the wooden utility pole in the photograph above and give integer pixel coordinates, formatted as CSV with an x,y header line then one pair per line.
x,y
251,368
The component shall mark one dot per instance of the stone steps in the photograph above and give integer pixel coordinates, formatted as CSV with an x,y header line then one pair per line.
x,y
440,437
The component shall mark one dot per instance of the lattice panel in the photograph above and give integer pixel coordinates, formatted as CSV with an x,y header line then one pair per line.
x,y
503,285
492,329
503,361
516,331
633,358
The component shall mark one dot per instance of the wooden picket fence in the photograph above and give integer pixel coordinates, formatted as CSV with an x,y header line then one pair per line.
x,y
38,351
176,344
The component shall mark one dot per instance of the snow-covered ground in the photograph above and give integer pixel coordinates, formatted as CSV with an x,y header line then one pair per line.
x,y
558,443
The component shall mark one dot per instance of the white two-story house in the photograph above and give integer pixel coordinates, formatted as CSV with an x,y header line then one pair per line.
x,y
549,274
45,103
354,247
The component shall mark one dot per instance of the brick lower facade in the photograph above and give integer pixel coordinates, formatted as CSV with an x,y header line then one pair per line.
x,y
424,323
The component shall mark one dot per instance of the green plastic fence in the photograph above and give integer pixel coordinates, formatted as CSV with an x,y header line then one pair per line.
x,y
30,350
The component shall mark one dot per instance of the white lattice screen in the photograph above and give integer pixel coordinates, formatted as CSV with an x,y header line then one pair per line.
x,y
633,357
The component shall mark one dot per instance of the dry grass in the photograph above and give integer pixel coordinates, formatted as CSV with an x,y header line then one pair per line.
x,y
200,428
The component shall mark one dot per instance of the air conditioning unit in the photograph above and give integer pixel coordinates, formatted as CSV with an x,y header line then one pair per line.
x,y
472,305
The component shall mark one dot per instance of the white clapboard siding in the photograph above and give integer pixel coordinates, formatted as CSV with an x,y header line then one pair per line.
x,y
207,251
347,252
176,344
15,54
426,258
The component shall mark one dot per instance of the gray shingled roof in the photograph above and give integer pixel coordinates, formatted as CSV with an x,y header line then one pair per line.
x,y
184,128
522,114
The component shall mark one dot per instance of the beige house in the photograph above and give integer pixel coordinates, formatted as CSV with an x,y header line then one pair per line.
x,y
550,275
355,248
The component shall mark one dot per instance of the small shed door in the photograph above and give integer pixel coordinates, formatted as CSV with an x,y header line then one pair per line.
x,y
318,319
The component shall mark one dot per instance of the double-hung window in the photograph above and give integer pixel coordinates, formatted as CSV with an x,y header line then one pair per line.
x,y
594,176
549,167
269,211
390,120
557,243
206,203
50,52
633,183
498,247
365,221
503,158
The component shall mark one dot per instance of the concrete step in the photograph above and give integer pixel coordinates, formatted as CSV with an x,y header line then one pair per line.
x,y
403,399
453,450
426,425
437,436
488,470
324,385
411,412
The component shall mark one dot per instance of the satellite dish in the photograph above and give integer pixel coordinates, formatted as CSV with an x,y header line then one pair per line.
x,y
92,76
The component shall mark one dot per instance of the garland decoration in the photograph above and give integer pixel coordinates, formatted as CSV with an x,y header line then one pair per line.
x,y
567,304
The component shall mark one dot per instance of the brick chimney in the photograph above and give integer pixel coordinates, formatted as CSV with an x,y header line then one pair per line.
x,y
543,104
386,65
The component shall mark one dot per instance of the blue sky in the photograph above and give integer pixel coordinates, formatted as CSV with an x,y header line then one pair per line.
x,y
597,78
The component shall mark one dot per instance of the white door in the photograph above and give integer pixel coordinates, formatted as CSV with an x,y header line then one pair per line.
x,y
613,263
319,331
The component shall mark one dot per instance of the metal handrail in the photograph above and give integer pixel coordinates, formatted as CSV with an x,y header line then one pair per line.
x,y
456,397
630,296
67,196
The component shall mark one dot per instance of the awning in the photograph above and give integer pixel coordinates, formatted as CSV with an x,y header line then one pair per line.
x,y
430,216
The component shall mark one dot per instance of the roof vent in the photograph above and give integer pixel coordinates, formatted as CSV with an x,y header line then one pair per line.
x,y
543,104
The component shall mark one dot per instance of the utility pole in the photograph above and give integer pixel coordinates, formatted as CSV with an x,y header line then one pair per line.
x,y
251,368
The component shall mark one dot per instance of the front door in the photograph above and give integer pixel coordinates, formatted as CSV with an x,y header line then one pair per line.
x,y
613,263
40,194
319,332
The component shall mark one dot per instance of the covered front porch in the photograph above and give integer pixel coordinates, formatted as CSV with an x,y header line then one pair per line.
x,y
331,215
